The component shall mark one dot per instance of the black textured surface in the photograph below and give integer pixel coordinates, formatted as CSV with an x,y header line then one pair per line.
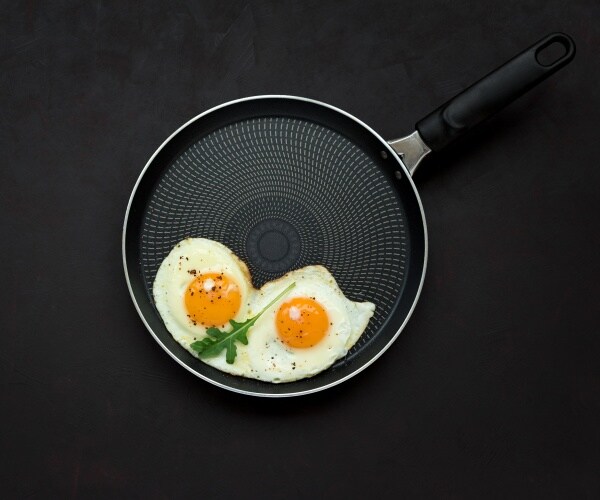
x,y
309,164
493,389
292,183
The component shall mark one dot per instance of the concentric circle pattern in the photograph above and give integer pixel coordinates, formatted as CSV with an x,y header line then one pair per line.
x,y
342,206
274,246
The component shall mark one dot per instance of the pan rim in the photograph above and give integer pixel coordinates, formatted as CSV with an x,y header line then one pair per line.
x,y
360,368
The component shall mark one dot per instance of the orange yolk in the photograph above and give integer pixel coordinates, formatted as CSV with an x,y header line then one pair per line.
x,y
212,299
301,322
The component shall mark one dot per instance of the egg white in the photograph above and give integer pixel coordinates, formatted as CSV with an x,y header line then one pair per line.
x,y
172,279
265,357
272,360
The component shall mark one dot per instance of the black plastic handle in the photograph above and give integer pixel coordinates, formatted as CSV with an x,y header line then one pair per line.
x,y
492,93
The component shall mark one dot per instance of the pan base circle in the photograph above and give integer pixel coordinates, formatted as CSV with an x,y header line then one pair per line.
x,y
273,245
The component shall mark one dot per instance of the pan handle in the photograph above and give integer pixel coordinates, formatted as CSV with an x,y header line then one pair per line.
x,y
492,93
489,95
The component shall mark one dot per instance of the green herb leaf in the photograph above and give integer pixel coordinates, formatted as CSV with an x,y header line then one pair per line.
x,y
217,340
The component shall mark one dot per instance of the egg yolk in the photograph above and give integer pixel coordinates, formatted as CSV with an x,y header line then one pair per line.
x,y
301,322
212,299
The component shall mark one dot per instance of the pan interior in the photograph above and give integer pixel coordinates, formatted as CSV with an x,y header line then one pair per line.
x,y
283,193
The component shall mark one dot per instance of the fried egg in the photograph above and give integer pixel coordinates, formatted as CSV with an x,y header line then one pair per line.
x,y
203,284
308,330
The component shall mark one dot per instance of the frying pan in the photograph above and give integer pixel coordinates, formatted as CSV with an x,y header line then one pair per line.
x,y
287,182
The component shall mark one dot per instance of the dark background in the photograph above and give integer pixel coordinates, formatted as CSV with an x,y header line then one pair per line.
x,y
492,390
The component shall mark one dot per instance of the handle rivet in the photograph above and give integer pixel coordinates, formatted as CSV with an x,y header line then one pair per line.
x,y
384,155
398,174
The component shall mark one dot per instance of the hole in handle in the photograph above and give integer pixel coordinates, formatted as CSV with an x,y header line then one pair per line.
x,y
557,49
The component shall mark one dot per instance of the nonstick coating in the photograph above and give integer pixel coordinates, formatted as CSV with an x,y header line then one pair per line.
x,y
284,183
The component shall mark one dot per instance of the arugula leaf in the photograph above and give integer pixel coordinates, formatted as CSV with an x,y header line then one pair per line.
x,y
218,340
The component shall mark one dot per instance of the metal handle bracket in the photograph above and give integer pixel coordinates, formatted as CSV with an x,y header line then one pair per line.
x,y
411,149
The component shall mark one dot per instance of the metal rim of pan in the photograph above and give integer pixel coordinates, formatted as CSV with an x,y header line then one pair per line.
x,y
391,153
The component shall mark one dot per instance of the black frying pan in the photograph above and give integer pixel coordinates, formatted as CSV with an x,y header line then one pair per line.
x,y
287,182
